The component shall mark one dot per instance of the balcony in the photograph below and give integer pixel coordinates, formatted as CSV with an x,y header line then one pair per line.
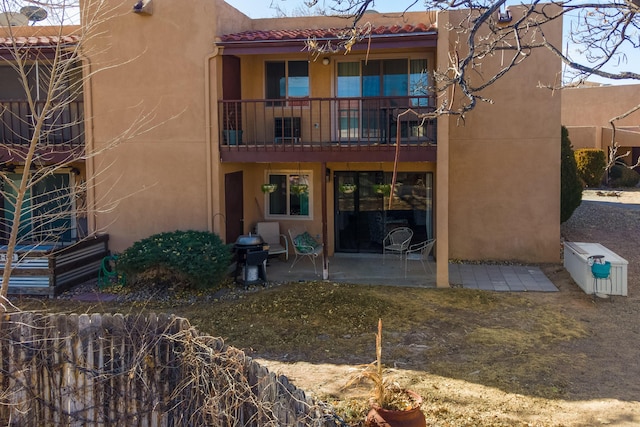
x,y
61,138
327,129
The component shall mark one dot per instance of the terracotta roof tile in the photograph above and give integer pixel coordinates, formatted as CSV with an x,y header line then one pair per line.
x,y
38,41
330,33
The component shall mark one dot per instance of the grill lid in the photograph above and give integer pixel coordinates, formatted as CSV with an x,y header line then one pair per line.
x,y
249,240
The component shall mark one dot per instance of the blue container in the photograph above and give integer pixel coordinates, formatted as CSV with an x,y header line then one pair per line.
x,y
601,271
233,137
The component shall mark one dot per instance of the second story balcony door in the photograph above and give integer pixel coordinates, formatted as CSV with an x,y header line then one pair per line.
x,y
373,92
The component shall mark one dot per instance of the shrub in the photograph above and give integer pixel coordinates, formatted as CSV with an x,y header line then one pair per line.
x,y
623,176
570,184
198,258
591,164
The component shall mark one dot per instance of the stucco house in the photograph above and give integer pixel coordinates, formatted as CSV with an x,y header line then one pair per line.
x,y
215,104
588,110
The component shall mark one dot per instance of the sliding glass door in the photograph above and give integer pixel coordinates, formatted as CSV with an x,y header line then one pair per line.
x,y
372,89
363,217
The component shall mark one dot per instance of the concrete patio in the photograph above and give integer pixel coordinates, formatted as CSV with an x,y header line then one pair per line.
x,y
369,269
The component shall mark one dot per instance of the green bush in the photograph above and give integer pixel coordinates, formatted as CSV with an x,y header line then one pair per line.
x,y
198,258
570,184
622,176
591,164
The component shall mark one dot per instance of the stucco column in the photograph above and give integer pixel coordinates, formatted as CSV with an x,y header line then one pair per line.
x,y
442,166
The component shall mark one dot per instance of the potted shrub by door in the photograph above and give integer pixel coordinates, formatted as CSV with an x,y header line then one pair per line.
x,y
391,405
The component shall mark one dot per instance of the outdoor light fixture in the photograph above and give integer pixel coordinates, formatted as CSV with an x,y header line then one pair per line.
x,y
143,7
325,61
504,16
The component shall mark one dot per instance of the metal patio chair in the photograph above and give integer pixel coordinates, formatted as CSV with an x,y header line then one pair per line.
x,y
305,246
419,252
397,242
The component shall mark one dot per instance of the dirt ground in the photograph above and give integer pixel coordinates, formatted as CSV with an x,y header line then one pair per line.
x,y
593,379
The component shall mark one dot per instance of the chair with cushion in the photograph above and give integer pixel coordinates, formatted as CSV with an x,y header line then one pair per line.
x,y
304,246
419,252
270,233
397,242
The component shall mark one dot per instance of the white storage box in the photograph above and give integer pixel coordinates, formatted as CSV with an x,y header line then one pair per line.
x,y
576,256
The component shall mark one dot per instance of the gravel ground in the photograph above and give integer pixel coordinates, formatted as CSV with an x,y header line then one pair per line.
x,y
174,295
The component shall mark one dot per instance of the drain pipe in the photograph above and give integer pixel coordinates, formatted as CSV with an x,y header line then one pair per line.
x,y
211,226
323,190
89,143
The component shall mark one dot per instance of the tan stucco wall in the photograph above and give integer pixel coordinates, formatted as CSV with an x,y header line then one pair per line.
x,y
596,106
373,19
585,136
504,166
150,87
587,112
497,183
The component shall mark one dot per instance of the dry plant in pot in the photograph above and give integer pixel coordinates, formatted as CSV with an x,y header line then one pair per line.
x,y
391,405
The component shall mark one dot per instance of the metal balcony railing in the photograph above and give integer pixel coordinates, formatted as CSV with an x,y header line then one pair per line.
x,y
64,124
326,124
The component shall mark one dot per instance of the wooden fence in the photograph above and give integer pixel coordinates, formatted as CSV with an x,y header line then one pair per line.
x,y
134,370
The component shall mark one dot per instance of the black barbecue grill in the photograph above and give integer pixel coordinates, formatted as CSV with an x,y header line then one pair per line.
x,y
251,252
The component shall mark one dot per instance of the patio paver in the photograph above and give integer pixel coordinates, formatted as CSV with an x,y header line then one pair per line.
x,y
369,269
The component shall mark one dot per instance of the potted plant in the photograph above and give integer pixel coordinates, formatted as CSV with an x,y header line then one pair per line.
x,y
384,189
231,135
269,188
299,188
391,405
347,188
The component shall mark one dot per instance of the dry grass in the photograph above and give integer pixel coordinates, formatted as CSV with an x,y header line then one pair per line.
x,y
478,358
502,340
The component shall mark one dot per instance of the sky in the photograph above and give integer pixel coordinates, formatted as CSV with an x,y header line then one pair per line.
x,y
263,9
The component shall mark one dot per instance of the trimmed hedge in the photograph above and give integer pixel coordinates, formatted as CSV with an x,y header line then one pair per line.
x,y
198,258
570,185
591,163
622,176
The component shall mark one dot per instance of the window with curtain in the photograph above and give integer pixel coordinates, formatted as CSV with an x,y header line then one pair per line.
x,y
47,213
399,77
384,77
290,199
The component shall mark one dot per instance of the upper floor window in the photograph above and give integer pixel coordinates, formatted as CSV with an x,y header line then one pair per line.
x,y
287,79
291,197
384,77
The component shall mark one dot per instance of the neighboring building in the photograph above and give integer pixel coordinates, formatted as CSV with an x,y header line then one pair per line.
x,y
214,104
587,112
61,138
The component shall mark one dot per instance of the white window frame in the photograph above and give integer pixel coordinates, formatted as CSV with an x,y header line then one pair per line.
x,y
288,215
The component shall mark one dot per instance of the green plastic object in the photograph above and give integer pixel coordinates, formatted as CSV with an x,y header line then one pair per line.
x,y
108,274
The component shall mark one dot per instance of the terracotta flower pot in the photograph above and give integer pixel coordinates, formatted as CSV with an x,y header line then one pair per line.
x,y
379,417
